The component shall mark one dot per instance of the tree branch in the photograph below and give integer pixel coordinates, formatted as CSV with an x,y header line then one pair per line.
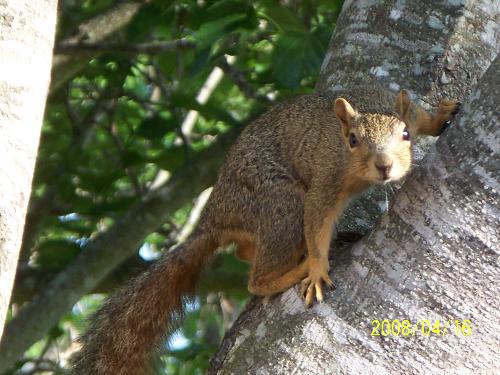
x,y
240,81
96,30
108,250
68,47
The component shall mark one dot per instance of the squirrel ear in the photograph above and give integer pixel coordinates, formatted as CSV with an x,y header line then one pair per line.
x,y
345,113
402,103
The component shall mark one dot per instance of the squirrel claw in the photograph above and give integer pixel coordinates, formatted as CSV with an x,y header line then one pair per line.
x,y
331,284
313,288
303,286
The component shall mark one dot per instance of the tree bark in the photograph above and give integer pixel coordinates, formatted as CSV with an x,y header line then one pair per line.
x,y
27,31
435,255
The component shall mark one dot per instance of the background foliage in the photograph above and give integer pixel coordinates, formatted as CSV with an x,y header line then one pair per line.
x,y
113,133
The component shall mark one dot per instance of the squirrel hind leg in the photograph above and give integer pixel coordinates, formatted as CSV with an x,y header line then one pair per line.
x,y
245,242
246,252
281,244
273,283
277,269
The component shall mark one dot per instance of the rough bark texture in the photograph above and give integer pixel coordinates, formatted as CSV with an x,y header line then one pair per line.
x,y
430,48
26,39
435,255
100,256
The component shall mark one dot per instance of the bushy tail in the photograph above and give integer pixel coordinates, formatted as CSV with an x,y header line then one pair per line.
x,y
125,332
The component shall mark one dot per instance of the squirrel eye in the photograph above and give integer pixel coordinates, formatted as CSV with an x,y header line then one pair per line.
x,y
406,135
353,141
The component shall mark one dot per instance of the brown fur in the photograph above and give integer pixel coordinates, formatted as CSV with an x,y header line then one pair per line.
x,y
282,188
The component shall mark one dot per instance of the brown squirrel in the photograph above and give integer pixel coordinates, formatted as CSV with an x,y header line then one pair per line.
x,y
284,184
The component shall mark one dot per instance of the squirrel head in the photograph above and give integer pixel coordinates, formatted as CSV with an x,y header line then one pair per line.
x,y
379,145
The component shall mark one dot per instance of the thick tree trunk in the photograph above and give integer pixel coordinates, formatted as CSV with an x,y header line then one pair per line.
x,y
435,255
27,30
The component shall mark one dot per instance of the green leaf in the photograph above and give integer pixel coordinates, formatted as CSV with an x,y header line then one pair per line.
x,y
295,56
212,31
80,227
132,157
168,62
148,16
90,208
282,17
221,9
200,61
156,127
170,159
208,110
115,206
56,253
98,179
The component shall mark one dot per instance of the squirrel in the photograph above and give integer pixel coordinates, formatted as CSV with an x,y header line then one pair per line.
x,y
281,189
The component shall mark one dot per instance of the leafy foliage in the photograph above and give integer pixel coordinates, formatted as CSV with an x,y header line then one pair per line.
x,y
114,131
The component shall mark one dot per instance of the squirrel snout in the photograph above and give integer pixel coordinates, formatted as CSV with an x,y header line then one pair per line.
x,y
384,166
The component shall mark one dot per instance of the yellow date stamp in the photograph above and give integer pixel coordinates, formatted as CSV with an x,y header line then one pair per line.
x,y
424,327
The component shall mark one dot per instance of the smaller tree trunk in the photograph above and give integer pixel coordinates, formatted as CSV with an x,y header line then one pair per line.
x,y
27,29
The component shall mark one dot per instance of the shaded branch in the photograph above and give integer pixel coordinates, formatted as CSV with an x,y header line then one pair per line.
x,y
109,249
69,47
96,30
240,81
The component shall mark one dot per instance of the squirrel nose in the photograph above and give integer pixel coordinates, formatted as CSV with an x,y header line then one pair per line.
x,y
384,168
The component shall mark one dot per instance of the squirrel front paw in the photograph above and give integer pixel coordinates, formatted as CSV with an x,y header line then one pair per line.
x,y
312,285
445,113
